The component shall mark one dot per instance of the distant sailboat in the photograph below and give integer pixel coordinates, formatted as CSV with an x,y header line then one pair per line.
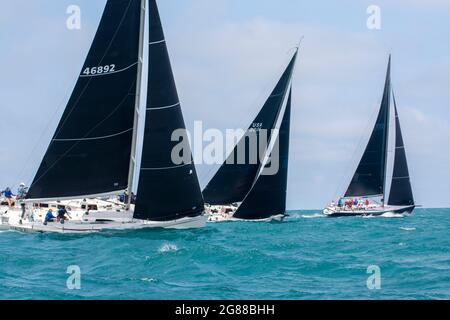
x,y
243,190
370,178
92,153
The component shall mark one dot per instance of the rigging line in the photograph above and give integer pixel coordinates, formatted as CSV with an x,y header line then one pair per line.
x,y
116,32
95,138
89,132
51,119
361,140
167,168
90,79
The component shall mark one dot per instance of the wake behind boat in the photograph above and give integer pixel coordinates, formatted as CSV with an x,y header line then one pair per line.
x,y
95,156
370,179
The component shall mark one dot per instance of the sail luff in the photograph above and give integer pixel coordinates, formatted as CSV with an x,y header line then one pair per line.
x,y
387,99
131,170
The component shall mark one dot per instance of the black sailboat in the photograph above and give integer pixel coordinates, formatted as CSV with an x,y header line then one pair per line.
x,y
166,191
90,151
370,178
236,182
93,151
233,180
267,197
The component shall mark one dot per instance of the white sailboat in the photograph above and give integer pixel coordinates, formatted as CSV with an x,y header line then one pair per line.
x,y
369,184
93,152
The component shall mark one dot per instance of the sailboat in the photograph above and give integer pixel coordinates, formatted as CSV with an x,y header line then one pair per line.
x,y
247,191
370,179
93,151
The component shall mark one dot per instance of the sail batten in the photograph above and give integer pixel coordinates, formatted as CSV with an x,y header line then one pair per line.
x,y
234,179
90,151
166,190
370,176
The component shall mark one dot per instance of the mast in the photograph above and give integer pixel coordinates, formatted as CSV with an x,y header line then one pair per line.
x,y
138,103
386,98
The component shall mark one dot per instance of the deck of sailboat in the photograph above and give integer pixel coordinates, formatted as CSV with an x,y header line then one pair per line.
x,y
86,227
373,211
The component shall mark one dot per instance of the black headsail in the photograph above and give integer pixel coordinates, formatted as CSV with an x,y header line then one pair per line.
x,y
401,191
90,150
268,195
167,190
234,179
370,177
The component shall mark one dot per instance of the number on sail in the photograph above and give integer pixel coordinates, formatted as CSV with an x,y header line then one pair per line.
x,y
99,70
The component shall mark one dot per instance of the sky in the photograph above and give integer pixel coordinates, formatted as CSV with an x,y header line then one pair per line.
x,y
227,56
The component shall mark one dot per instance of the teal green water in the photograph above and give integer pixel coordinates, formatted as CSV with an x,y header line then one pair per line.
x,y
306,257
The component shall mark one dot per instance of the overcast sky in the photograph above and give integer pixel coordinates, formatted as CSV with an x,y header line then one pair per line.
x,y
227,56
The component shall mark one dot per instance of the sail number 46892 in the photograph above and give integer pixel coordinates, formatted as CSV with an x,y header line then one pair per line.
x,y
99,70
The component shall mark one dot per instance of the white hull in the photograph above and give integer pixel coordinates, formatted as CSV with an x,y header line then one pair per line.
x,y
101,222
222,217
277,218
334,211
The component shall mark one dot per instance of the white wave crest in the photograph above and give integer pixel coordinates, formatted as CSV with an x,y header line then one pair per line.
x,y
168,247
313,216
407,229
392,215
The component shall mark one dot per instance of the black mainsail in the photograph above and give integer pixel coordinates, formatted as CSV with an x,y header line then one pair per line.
x,y
90,150
234,179
370,176
267,197
166,191
401,191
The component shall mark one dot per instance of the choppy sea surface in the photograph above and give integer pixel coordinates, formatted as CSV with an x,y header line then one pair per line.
x,y
308,256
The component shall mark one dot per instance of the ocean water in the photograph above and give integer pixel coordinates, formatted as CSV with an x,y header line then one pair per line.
x,y
306,257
